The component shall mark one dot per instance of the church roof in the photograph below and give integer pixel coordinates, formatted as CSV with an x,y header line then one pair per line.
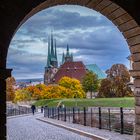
x,y
75,70
94,68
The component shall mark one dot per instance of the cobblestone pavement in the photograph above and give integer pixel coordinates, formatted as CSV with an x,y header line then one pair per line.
x,y
99,132
28,128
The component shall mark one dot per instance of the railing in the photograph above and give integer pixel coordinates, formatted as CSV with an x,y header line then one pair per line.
x,y
113,119
20,110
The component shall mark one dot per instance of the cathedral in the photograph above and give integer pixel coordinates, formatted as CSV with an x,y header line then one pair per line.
x,y
52,63
68,67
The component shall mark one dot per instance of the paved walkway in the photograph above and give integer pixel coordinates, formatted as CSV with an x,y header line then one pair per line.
x,y
110,135
28,128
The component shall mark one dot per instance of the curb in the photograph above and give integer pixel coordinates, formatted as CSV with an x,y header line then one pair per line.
x,y
83,133
16,116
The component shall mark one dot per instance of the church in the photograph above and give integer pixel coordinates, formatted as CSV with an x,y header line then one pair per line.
x,y
68,67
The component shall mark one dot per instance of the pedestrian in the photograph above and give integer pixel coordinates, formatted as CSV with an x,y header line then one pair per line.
x,y
42,108
33,109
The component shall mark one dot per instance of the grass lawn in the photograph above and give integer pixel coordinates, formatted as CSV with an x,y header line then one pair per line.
x,y
102,102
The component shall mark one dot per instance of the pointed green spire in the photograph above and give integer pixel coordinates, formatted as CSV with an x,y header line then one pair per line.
x,y
71,56
48,59
55,50
67,54
52,48
63,58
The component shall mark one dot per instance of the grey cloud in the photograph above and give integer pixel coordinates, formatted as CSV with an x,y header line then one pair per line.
x,y
96,40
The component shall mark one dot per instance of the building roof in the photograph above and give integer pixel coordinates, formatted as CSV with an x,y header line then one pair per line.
x,y
75,70
94,68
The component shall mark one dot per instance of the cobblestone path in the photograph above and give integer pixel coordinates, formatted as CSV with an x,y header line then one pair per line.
x,y
28,128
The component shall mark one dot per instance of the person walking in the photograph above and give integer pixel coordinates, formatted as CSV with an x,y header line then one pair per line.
x,y
42,108
33,109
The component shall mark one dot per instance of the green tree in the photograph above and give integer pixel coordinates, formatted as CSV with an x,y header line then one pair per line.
x,y
90,83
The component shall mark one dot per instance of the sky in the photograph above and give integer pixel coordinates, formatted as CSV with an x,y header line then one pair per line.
x,y
92,38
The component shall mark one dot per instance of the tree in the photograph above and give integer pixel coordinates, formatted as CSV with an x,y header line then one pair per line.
x,y
10,92
118,70
67,88
22,95
74,86
106,89
90,83
37,92
115,85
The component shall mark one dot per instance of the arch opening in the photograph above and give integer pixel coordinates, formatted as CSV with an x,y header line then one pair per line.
x,y
126,24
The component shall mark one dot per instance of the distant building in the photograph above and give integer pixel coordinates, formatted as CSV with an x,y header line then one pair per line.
x,y
67,57
95,69
71,69
52,63
68,67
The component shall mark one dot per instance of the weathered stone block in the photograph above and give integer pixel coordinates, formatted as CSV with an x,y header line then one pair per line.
x,y
136,66
137,94
122,19
93,4
116,14
136,57
135,74
137,129
137,101
137,137
135,49
128,25
137,119
134,40
137,110
102,5
137,83
83,2
109,9
132,32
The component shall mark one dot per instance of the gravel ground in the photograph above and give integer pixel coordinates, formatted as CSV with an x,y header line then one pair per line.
x,y
28,128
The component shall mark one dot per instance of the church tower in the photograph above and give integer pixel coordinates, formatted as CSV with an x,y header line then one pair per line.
x,y
52,63
68,57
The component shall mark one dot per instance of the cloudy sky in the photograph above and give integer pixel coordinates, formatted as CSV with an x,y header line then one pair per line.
x,y
92,39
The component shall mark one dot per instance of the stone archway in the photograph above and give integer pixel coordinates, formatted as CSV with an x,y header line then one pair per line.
x,y
118,11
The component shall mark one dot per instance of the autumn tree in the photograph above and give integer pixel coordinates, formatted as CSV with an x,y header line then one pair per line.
x,y
90,83
106,89
10,92
67,88
118,70
37,92
117,78
22,95
73,85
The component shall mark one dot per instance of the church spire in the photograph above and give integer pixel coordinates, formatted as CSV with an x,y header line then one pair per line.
x,y
67,54
72,56
48,59
52,48
55,50
63,58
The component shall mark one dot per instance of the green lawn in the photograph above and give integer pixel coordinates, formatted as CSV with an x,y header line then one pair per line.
x,y
102,102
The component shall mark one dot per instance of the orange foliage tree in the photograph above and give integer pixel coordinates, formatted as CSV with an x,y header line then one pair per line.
x,y
67,88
